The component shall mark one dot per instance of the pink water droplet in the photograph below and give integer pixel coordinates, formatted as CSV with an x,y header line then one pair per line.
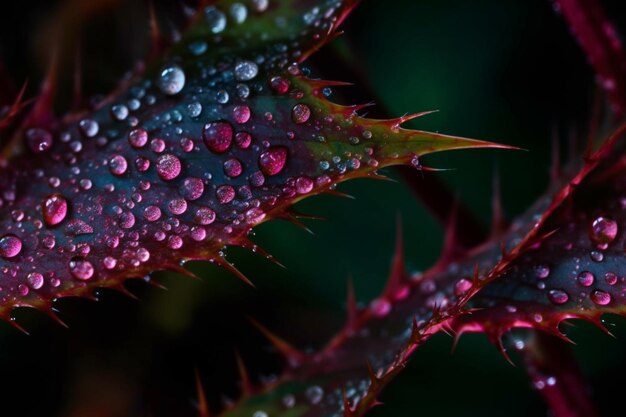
x,y
152,213
600,297
243,140
168,167
273,160
304,185
204,216
586,278
233,168
192,188
217,136
380,307
300,113
610,278
35,280
225,194
81,269
10,246
254,215
603,230
118,165
177,206
127,220
462,286
241,114
558,296
542,271
138,138
279,85
174,242
54,209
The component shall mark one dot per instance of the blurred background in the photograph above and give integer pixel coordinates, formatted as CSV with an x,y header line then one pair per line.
x,y
507,71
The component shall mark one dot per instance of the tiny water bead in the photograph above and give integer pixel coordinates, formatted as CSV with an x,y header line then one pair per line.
x,y
610,278
558,296
168,167
246,70
542,271
192,188
225,194
10,246
80,268
233,167
238,12
89,127
152,213
39,140
217,136
138,138
54,209
118,165
603,230
171,80
273,160
300,113
204,216
241,114
600,297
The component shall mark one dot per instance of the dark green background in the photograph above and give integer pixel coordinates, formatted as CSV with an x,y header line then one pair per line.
x,y
506,71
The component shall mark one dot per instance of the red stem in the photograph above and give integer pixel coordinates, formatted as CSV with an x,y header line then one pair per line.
x,y
598,38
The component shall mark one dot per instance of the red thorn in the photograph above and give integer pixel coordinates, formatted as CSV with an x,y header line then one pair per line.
x,y
396,122
13,323
121,289
230,267
203,406
53,315
184,271
397,274
290,353
300,215
339,194
320,84
253,247
496,339
347,409
246,385
375,382
288,216
378,176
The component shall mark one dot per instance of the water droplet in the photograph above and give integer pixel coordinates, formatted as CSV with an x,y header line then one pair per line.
x,y
215,18
241,114
138,138
603,230
225,194
542,271
118,165
380,307
194,109
279,85
77,227
54,209
610,278
35,280
233,168
300,113
177,206
304,185
254,215
127,220
109,262
246,70
273,160
260,5
243,140
10,246
152,213
218,136
558,296
260,413
80,268
171,80
314,394
462,286
39,140
238,12
600,297
174,242
596,256
204,216
89,127
192,188
119,112
168,167
586,278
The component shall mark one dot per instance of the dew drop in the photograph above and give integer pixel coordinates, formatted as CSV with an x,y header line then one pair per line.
x,y
273,160
217,136
80,268
10,246
35,280
233,168
246,70
238,12
304,185
168,167
300,113
610,278
152,213
279,85
603,230
586,278
241,114
171,80
89,127
542,271
54,209
138,138
177,206
215,19
118,165
204,216
243,140
39,140
119,112
314,394
174,242
558,296
225,194
600,297
462,286
192,188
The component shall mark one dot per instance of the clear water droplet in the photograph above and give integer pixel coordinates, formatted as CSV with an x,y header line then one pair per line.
x,y
215,19
246,70
171,80
39,140
35,280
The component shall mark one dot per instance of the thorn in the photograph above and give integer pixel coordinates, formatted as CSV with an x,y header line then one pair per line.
x,y
347,409
339,194
184,271
292,355
203,407
230,267
121,289
287,216
378,176
496,339
373,378
451,248
396,122
53,315
41,113
253,247
246,385
300,215
13,323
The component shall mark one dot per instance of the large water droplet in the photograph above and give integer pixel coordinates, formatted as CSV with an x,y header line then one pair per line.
x,y
138,138
118,165
215,19
233,168
54,209
600,297
171,80
238,12
168,167
192,188
241,114
80,268
558,296
246,70
35,280
218,136
10,246
603,230
225,194
273,160
585,278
